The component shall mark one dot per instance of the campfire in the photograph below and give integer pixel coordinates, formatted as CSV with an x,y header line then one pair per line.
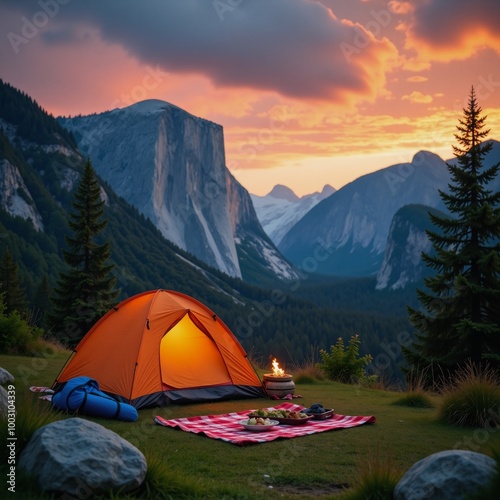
x,y
278,383
277,371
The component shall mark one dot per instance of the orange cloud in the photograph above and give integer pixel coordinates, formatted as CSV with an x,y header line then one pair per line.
x,y
444,30
417,79
418,97
400,7
469,43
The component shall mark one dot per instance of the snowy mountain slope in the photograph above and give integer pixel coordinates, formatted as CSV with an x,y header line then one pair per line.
x,y
279,210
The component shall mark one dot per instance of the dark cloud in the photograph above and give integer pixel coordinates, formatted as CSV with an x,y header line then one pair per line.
x,y
444,22
60,36
297,48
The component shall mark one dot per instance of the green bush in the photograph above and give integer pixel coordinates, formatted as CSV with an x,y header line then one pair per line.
x,y
473,398
16,335
414,399
304,379
343,364
308,373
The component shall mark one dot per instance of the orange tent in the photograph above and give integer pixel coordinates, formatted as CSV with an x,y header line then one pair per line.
x,y
163,346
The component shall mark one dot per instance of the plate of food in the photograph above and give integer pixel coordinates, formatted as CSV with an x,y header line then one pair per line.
x,y
258,424
285,417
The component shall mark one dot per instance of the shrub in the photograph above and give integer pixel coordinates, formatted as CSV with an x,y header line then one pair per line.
x,y
308,371
415,399
472,398
16,335
305,378
375,479
44,347
344,364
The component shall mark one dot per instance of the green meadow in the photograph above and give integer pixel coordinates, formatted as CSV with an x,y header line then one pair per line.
x,y
185,465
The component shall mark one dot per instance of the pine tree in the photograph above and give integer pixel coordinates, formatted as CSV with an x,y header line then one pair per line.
x,y
11,285
86,291
41,301
462,318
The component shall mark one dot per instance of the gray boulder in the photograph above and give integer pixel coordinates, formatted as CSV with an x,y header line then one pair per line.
x,y
447,475
4,403
82,458
5,376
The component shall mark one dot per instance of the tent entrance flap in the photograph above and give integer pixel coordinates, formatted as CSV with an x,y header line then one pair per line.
x,y
189,358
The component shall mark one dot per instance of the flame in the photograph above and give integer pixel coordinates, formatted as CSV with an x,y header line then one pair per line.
x,y
277,371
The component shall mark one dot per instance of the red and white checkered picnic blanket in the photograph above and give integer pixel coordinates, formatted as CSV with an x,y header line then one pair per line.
x,y
227,427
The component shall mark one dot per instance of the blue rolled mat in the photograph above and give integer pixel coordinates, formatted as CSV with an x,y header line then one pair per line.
x,y
83,394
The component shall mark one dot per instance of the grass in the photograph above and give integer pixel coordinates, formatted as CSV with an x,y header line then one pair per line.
x,y
415,399
375,478
325,464
473,399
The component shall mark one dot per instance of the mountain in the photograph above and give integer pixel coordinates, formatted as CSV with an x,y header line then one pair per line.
x,y
279,210
346,234
170,165
402,263
40,166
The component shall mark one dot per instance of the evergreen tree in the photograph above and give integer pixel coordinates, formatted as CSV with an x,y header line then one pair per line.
x,y
462,318
11,285
41,301
86,291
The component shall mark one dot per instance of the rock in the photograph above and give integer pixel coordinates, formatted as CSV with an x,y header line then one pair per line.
x,y
82,458
185,187
447,475
3,402
5,376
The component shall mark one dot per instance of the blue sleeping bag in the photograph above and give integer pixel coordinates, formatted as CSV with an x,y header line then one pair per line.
x,y
83,394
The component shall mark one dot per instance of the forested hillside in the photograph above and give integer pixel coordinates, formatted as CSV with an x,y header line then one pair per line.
x,y
287,320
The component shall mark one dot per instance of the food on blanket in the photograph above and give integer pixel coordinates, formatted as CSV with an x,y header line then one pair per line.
x,y
260,421
319,412
315,409
278,414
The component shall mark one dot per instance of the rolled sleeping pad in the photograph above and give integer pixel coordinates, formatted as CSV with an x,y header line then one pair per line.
x,y
83,394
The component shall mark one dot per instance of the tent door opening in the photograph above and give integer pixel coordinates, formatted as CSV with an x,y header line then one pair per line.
x,y
189,358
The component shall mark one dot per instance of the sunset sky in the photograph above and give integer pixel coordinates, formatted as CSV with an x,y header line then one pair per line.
x,y
308,92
